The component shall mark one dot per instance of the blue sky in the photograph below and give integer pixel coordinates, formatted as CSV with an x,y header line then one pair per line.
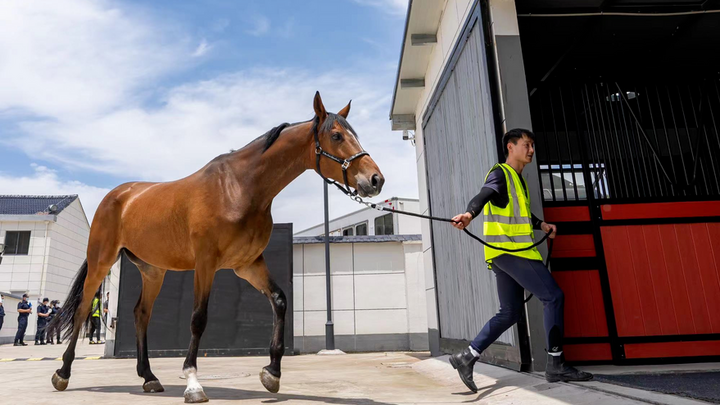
x,y
103,92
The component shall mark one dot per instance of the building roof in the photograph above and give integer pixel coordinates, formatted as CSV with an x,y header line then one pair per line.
x,y
34,204
305,240
388,202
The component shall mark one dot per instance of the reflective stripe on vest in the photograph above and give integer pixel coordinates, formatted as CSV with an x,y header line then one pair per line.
x,y
509,227
95,309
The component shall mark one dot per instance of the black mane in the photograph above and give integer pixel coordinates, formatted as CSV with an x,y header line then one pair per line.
x,y
272,135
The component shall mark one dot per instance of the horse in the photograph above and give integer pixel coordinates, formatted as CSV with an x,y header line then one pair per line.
x,y
218,217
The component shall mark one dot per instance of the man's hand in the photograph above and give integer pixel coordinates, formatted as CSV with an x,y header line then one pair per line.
x,y
461,221
547,228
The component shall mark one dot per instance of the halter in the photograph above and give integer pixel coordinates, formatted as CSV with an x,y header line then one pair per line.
x,y
344,163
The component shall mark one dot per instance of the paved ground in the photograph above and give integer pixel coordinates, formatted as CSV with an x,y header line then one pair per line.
x,y
365,379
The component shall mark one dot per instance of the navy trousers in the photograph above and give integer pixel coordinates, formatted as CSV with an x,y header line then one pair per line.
x,y
22,327
514,275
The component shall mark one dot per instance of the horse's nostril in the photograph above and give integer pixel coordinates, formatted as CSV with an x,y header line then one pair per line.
x,y
377,181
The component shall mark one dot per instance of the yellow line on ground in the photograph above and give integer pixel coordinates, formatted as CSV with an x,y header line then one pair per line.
x,y
58,359
93,358
35,359
3,360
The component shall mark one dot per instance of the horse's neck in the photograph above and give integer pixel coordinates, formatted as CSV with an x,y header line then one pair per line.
x,y
276,167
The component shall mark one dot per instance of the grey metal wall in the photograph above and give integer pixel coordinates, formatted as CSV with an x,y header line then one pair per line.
x,y
460,149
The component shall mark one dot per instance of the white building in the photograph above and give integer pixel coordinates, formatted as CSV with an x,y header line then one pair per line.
x,y
368,221
45,240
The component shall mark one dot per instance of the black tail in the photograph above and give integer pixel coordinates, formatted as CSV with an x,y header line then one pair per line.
x,y
65,320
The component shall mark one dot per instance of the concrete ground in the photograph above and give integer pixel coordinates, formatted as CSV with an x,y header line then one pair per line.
x,y
366,379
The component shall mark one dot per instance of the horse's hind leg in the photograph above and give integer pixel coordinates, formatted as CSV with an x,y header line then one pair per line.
x,y
152,280
259,276
78,308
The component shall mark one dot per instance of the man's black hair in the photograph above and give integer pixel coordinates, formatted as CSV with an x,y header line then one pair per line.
x,y
513,135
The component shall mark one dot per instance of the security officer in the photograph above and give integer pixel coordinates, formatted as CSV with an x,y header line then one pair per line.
x,y
95,318
54,311
42,321
508,222
2,311
24,310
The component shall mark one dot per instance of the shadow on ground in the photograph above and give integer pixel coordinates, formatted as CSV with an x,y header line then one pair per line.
x,y
176,391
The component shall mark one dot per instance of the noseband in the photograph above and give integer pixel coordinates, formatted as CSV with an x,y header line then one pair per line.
x,y
344,163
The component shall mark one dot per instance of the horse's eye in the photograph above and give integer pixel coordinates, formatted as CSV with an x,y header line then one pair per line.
x,y
336,136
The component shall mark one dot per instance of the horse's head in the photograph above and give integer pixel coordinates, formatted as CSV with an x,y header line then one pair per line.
x,y
339,155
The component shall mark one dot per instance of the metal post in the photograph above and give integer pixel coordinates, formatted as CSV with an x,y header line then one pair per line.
x,y
329,327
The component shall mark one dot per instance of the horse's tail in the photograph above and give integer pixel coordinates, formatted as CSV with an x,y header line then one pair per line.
x,y
64,321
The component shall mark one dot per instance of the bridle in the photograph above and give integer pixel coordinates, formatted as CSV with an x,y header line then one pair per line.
x,y
344,163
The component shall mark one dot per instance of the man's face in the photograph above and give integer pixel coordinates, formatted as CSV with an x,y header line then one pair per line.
x,y
25,299
523,150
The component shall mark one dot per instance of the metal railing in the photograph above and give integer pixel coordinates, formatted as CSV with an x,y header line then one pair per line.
x,y
628,141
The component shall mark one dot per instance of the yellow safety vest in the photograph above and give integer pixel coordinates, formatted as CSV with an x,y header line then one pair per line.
x,y
95,309
509,227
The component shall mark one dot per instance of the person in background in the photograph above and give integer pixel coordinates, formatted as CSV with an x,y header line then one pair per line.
x,y
54,311
106,310
2,312
42,321
95,319
24,309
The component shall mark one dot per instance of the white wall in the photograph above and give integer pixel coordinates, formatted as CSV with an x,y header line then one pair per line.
x,y
68,249
377,289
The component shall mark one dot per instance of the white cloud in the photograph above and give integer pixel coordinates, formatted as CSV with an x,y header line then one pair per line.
x,y
393,7
79,57
260,25
46,182
101,121
202,49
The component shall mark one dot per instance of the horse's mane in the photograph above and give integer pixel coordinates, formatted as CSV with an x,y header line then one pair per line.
x,y
272,135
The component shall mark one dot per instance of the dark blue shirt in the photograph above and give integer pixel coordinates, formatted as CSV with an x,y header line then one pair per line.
x,y
23,305
42,309
2,310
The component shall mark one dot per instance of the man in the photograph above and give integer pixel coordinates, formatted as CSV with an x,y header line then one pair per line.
x,y
509,223
42,321
24,310
106,310
2,311
95,318
54,311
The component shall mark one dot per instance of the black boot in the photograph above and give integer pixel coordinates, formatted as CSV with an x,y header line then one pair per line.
x,y
557,370
463,362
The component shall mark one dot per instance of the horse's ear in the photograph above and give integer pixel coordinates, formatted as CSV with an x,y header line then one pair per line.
x,y
319,107
345,111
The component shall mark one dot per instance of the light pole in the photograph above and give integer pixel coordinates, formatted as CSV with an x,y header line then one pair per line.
x,y
329,327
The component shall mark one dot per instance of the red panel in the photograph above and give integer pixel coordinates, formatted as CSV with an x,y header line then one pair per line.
x,y
664,279
690,209
584,309
672,349
623,284
592,351
573,246
566,214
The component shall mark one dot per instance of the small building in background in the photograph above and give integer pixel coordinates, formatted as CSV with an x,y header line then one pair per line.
x,y
45,240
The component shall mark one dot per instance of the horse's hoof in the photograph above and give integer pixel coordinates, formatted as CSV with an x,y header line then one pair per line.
x,y
59,383
153,386
269,381
195,397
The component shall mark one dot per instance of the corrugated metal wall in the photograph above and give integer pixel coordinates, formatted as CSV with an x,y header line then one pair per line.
x,y
461,148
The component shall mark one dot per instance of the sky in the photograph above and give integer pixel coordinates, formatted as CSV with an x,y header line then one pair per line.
x,y
96,93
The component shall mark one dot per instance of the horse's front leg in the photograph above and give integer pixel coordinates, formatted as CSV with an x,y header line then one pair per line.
x,y
194,392
257,275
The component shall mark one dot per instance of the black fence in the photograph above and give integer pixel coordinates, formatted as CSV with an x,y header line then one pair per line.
x,y
628,141
240,318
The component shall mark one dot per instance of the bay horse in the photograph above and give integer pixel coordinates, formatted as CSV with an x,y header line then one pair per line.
x,y
218,217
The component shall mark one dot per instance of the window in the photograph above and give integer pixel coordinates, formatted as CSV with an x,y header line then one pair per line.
x,y
384,225
361,229
17,242
348,231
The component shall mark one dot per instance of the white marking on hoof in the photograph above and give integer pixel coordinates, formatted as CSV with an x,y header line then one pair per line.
x,y
269,381
194,392
59,383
